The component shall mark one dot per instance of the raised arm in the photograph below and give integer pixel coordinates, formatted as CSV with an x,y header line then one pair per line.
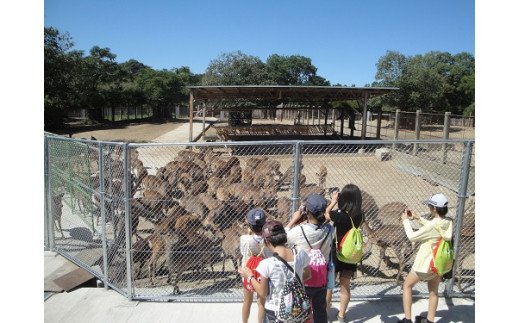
x,y
333,202
295,219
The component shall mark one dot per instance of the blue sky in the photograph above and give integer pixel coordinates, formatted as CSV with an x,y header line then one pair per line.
x,y
344,39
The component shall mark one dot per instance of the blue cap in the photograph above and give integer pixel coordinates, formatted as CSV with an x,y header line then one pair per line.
x,y
256,216
316,203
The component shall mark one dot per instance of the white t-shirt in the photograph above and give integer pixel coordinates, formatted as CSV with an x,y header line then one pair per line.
x,y
315,235
277,272
255,243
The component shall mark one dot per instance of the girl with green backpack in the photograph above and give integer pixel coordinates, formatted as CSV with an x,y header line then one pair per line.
x,y
430,233
347,218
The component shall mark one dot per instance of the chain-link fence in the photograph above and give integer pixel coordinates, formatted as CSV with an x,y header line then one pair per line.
x,y
163,221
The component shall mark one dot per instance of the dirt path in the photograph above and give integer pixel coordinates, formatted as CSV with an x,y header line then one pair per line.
x,y
132,133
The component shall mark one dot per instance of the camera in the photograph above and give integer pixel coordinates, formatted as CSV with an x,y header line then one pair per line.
x,y
332,190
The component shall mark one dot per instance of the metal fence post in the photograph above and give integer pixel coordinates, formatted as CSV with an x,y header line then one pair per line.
x,y
128,223
462,192
396,127
446,134
50,211
296,178
417,131
102,193
46,192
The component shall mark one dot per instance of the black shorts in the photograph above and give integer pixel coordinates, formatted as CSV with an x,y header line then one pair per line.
x,y
341,266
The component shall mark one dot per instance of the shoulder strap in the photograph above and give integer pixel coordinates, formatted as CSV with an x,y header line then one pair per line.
x,y
352,222
310,246
249,248
321,245
288,266
325,239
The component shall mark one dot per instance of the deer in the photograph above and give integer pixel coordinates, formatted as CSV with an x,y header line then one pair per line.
x,y
322,176
386,231
231,244
394,237
57,209
192,248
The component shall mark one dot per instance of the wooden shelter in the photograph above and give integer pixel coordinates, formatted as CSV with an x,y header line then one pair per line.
x,y
275,97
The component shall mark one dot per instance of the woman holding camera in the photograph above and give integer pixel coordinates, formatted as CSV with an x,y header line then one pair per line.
x,y
428,234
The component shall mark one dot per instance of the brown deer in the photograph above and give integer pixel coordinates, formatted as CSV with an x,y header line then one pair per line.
x,y
57,209
394,237
322,176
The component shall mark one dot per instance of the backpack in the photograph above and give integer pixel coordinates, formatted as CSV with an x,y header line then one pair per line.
x,y
293,304
442,260
317,265
350,249
252,263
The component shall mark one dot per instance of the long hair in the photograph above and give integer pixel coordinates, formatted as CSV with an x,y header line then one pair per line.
x,y
349,200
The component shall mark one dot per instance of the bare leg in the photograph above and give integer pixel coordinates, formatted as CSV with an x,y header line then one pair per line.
x,y
261,303
409,283
328,298
344,297
433,299
246,305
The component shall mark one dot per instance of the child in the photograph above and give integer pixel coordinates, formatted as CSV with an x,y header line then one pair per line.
x,y
252,245
427,235
274,272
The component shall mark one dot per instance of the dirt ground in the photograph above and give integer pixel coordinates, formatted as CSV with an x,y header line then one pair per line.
x,y
145,132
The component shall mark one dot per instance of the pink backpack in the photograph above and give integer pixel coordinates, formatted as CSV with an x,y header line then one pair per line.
x,y
317,265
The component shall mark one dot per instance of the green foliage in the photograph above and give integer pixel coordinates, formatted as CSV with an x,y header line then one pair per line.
x,y
435,81
235,68
73,80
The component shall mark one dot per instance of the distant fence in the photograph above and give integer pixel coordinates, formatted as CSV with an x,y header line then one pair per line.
x,y
131,113
419,125
161,221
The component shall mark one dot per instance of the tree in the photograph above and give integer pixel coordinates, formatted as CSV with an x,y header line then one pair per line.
x,y
292,70
59,73
161,89
433,82
100,81
235,68
132,67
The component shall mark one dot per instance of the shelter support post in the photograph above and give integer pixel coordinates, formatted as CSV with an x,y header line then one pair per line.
x,y
191,117
396,126
342,125
203,119
325,123
364,121
378,130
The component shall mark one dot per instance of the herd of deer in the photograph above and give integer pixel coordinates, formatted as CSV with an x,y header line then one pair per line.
x,y
197,203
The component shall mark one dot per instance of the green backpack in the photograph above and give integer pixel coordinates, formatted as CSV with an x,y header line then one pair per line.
x,y
442,260
350,249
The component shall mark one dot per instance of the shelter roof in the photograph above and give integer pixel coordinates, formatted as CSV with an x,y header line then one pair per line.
x,y
286,93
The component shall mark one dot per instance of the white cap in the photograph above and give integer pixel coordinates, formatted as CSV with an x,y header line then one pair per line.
x,y
437,200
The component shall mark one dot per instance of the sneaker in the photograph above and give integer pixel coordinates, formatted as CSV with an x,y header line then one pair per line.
x,y
340,319
421,319
404,320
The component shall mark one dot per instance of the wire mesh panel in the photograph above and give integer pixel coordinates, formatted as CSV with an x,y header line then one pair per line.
x,y
190,204
163,221
71,166
391,179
